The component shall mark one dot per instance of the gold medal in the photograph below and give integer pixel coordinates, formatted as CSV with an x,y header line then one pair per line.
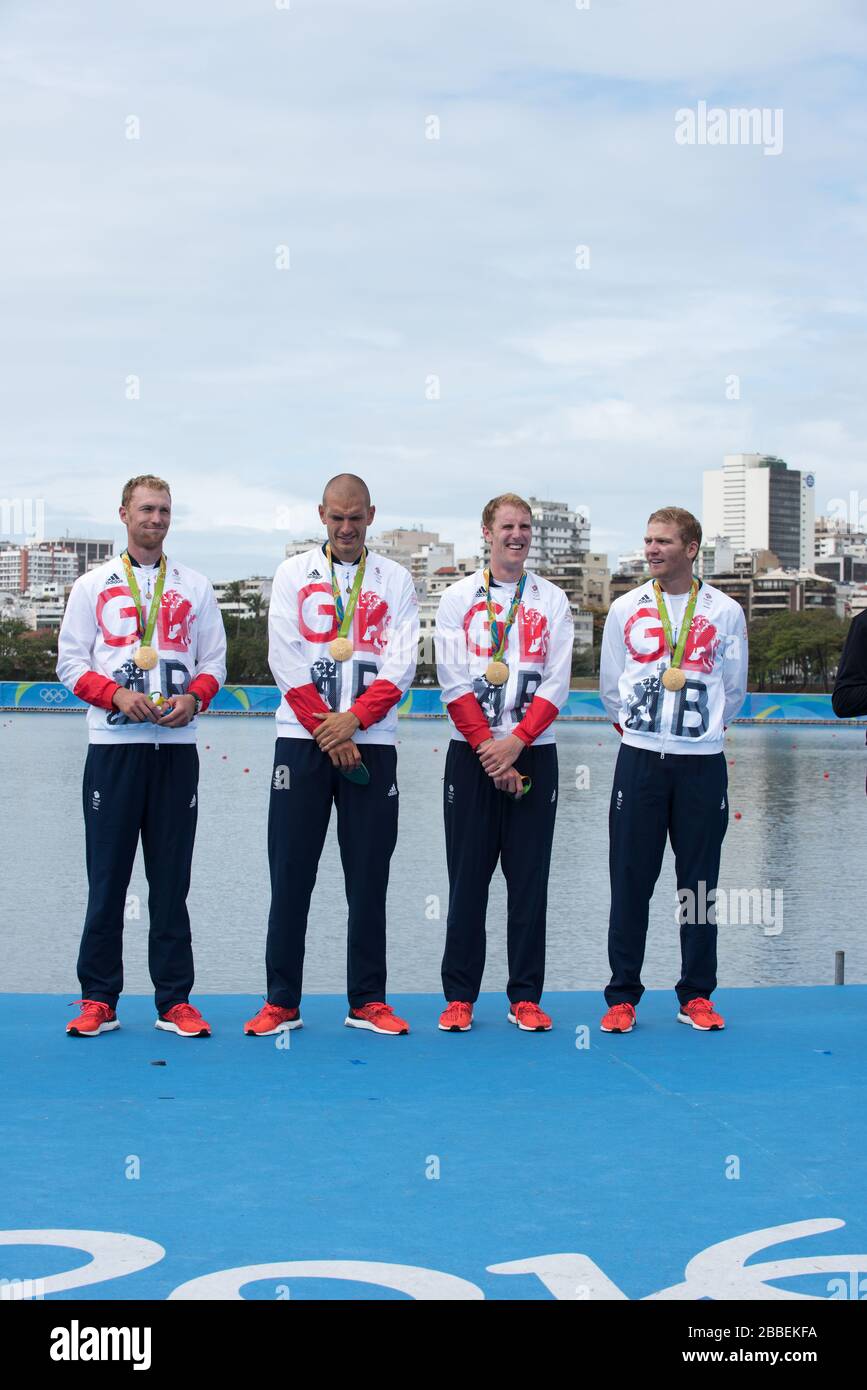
x,y
496,673
145,658
341,648
673,678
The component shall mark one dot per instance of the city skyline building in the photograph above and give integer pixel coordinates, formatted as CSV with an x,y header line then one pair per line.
x,y
25,567
759,503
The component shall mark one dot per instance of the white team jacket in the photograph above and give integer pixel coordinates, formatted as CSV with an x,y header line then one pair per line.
x,y
99,633
715,662
538,654
384,633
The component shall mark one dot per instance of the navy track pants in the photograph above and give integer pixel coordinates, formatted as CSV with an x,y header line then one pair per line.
x,y
482,826
132,790
304,784
683,797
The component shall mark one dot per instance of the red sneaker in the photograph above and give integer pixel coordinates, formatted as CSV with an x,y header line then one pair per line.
x,y
185,1020
378,1018
619,1019
456,1017
702,1015
272,1019
95,1017
529,1017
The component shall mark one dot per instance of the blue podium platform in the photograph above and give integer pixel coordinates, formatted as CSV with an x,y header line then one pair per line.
x,y
495,1164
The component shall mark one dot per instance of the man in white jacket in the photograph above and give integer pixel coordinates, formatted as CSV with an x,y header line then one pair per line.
x,y
673,674
504,639
143,642
342,645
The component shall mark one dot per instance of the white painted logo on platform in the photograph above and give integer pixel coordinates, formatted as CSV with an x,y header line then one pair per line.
x,y
718,1272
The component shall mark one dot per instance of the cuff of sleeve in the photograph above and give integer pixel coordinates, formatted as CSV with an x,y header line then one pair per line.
x,y
205,687
619,730
96,689
379,697
365,719
468,719
537,719
305,703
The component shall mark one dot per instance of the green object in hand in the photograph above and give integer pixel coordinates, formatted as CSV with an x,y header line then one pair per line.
x,y
358,774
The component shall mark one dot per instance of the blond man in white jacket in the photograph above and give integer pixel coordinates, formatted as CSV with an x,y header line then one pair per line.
x,y
672,675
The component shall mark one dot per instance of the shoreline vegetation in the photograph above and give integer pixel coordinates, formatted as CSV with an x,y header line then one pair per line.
x,y
794,653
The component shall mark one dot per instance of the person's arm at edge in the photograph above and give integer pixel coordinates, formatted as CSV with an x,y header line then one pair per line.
x,y
849,696
736,665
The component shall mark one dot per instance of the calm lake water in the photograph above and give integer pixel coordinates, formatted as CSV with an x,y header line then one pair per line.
x,y
801,834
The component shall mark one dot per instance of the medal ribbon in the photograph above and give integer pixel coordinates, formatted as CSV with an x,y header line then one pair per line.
x,y
676,653
145,633
498,637
344,616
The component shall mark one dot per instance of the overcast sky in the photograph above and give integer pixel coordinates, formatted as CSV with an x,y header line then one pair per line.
x,y
264,126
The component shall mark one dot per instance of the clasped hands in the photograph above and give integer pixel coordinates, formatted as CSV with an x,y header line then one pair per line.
x,y
173,713
334,737
497,756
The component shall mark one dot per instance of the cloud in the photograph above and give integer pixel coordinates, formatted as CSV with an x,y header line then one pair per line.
x,y
413,257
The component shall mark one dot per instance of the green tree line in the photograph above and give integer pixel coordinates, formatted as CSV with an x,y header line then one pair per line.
x,y
796,651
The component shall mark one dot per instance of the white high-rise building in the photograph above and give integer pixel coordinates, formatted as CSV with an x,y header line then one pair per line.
x,y
26,567
760,503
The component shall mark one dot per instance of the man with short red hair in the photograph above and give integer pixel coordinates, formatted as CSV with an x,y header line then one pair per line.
x,y
504,639
143,642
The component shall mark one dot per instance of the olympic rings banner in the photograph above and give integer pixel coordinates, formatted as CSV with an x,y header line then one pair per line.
x,y
425,702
